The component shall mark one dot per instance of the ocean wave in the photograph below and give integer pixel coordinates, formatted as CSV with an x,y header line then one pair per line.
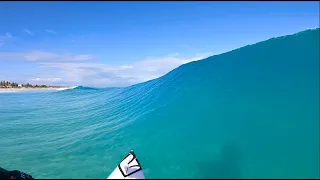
x,y
235,115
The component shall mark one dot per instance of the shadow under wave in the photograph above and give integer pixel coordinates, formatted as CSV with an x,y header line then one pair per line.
x,y
227,165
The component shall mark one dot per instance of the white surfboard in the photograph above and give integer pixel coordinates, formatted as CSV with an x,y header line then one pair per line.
x,y
129,168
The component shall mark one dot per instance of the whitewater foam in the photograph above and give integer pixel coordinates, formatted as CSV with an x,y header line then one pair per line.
x,y
65,88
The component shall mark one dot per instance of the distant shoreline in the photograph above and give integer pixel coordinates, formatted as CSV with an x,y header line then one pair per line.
x,y
32,88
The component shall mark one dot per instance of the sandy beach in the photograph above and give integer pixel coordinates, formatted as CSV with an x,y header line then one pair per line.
x,y
29,89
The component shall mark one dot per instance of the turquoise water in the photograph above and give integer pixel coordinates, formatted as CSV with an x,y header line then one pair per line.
x,y
249,113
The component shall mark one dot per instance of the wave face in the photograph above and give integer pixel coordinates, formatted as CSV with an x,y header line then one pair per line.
x,y
249,113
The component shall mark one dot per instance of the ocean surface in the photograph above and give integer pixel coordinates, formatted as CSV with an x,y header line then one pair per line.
x,y
249,113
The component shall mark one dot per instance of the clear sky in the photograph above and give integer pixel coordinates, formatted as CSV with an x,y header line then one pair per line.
x,y
122,43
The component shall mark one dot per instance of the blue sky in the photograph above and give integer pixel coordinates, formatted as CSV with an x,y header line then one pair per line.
x,y
122,43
